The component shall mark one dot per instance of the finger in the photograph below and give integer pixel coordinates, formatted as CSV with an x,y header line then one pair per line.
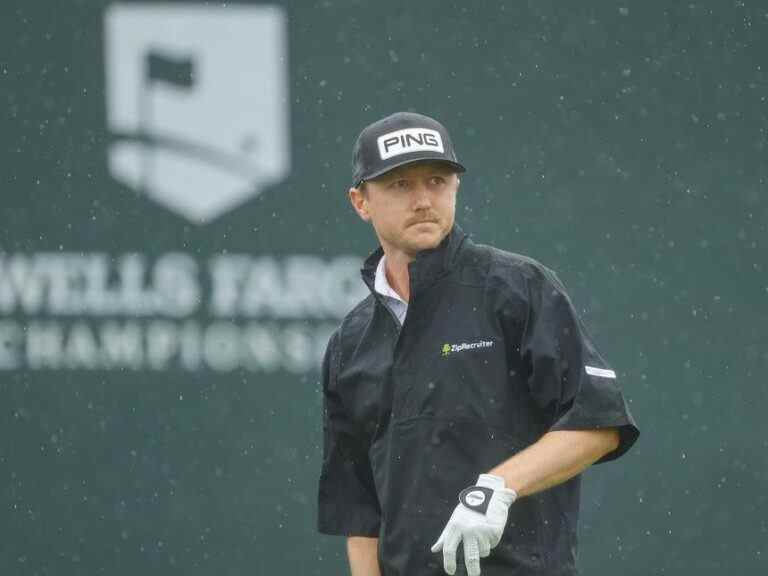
x,y
495,538
484,543
472,555
450,544
439,544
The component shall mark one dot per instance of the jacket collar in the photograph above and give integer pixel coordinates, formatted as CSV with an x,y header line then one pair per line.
x,y
429,265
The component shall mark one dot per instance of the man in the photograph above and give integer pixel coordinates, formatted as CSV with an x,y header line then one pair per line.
x,y
462,397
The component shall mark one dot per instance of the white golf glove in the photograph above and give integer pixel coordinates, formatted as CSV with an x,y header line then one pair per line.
x,y
478,522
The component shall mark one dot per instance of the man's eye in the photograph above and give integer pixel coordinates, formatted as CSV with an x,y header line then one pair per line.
x,y
400,184
438,180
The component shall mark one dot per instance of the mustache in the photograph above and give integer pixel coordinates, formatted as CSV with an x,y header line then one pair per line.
x,y
421,219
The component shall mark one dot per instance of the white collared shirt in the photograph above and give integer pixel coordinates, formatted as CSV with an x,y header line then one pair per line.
x,y
392,299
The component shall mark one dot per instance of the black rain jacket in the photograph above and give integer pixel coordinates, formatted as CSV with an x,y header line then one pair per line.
x,y
490,357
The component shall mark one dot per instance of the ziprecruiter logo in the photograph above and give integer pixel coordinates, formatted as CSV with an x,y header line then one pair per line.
x,y
449,349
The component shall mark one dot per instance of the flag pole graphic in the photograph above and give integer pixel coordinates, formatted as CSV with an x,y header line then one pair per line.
x,y
145,124
158,67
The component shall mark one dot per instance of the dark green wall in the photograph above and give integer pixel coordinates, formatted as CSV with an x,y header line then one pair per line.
x,y
622,144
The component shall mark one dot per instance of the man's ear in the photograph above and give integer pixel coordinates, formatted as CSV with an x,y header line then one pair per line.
x,y
359,201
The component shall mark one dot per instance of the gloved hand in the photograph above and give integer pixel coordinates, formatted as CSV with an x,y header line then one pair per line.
x,y
478,521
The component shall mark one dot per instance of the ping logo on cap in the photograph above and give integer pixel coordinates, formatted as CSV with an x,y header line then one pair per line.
x,y
409,140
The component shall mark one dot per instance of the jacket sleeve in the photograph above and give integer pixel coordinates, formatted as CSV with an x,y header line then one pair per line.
x,y
568,379
347,501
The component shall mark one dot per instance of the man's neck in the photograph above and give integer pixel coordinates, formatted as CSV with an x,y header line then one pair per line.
x,y
396,269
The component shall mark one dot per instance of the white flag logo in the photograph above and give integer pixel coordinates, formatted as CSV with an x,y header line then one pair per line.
x,y
197,103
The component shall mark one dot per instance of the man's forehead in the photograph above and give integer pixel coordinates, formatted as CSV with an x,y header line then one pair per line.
x,y
416,168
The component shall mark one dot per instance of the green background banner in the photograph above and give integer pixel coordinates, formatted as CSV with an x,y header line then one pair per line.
x,y
164,298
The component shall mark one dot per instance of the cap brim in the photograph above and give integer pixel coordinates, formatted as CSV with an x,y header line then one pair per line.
x,y
455,165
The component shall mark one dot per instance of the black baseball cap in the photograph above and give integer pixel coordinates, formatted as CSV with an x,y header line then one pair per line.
x,y
400,139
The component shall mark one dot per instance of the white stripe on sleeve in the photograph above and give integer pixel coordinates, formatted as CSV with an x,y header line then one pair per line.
x,y
603,373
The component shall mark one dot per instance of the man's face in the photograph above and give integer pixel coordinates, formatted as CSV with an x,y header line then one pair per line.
x,y
412,208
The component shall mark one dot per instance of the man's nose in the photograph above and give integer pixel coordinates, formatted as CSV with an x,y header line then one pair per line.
x,y
421,197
